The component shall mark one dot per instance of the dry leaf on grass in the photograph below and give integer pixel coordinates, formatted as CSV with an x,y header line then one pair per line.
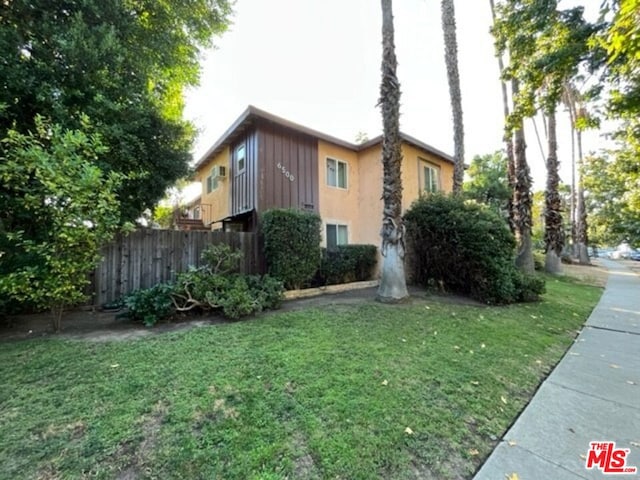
x,y
503,399
385,382
474,452
408,431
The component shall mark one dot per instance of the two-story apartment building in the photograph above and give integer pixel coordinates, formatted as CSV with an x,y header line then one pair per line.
x,y
263,161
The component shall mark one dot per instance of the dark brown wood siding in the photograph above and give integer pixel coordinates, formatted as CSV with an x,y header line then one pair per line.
x,y
244,183
288,169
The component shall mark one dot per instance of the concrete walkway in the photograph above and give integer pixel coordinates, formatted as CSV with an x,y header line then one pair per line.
x,y
592,395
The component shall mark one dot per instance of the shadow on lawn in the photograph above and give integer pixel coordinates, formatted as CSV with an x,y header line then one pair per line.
x,y
106,326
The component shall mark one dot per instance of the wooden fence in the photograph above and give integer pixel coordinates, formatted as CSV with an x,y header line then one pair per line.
x,y
147,257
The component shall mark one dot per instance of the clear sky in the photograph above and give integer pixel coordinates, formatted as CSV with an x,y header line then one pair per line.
x,y
317,63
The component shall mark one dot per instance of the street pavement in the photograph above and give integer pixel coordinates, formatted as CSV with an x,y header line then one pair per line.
x,y
593,395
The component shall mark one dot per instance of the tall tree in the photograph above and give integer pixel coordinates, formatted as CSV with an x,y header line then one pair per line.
x,y
546,47
453,77
508,133
522,200
554,226
124,64
510,38
393,287
580,120
561,49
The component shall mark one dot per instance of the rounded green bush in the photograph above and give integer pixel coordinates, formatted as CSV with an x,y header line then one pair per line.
x,y
466,247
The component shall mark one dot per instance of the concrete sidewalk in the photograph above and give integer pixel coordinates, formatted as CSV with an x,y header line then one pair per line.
x,y
592,395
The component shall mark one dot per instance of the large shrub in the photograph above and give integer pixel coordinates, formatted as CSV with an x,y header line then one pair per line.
x,y
149,305
214,286
291,245
468,249
58,209
346,263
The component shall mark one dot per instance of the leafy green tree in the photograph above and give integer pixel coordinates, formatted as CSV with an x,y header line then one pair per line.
x,y
52,175
488,182
517,42
122,63
613,199
547,47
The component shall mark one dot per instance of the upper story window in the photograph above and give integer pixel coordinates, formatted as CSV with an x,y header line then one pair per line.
x,y
336,173
429,177
241,158
212,180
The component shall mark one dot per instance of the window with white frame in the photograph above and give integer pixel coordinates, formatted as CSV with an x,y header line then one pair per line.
x,y
429,177
336,235
241,158
212,180
336,173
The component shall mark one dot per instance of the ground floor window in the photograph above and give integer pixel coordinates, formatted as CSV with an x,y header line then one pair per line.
x,y
336,235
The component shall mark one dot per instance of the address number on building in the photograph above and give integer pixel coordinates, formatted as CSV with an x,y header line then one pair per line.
x,y
285,172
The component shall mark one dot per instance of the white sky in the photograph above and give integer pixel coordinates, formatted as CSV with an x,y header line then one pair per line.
x,y
317,63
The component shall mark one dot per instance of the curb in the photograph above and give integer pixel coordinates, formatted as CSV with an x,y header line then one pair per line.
x,y
329,289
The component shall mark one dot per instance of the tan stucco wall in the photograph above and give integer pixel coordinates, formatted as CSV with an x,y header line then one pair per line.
x,y
370,196
215,205
339,205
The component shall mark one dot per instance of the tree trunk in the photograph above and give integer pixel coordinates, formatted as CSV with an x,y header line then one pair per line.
x,y
570,102
554,228
522,197
393,287
581,211
508,135
453,77
56,317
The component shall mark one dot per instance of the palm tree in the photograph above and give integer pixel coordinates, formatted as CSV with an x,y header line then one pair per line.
x,y
508,135
453,77
522,194
554,227
393,287
577,112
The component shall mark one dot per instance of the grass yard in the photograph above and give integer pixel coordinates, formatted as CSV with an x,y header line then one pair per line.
x,y
422,390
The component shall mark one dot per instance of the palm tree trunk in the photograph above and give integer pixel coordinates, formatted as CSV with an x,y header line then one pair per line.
x,y
508,135
522,197
570,101
553,231
453,77
393,287
581,211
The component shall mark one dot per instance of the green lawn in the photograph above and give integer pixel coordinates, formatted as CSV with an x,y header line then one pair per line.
x,y
320,393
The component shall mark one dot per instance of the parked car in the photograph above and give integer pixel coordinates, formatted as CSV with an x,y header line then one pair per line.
x,y
635,255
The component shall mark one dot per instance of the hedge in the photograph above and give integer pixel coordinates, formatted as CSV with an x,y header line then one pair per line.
x,y
291,245
346,263
468,248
